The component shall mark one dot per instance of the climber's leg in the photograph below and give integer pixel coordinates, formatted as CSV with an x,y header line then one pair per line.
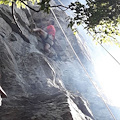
x,y
47,47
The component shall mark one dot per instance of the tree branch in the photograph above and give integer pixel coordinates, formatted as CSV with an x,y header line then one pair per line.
x,y
14,17
29,6
59,6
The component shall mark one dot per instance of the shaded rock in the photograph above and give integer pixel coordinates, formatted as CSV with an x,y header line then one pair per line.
x,y
30,77
39,86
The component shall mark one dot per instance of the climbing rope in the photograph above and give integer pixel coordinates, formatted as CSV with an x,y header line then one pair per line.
x,y
81,62
110,54
105,49
99,43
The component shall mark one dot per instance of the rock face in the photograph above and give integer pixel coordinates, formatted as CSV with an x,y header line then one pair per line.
x,y
40,86
30,78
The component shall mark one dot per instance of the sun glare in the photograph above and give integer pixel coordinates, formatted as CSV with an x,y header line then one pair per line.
x,y
107,71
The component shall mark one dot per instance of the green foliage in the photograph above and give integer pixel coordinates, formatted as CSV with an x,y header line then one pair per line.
x,y
100,17
45,5
6,2
106,32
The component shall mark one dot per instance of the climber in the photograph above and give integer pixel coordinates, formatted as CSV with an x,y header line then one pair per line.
x,y
2,95
47,35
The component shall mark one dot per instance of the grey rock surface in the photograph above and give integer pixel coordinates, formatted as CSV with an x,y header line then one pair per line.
x,y
30,78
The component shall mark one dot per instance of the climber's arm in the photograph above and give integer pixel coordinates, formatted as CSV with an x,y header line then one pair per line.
x,y
41,32
37,29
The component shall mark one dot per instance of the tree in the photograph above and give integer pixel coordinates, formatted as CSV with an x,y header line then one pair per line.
x,y
101,18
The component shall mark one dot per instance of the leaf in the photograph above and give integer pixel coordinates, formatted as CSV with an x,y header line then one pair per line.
x,y
10,4
38,1
74,32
